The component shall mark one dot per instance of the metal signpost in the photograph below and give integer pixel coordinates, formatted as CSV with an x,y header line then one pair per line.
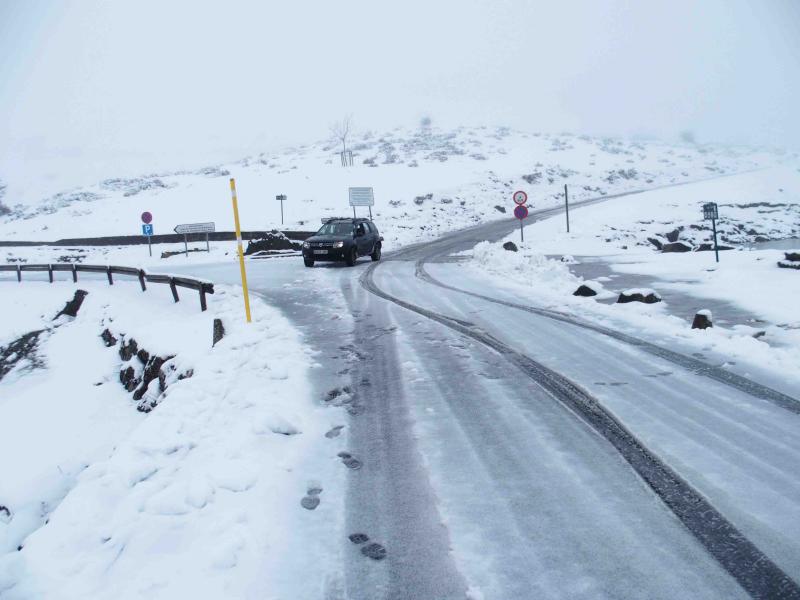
x,y
362,196
147,229
281,197
188,228
521,212
711,213
566,204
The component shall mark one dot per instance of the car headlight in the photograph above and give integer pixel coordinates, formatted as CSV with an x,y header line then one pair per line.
x,y
306,245
338,244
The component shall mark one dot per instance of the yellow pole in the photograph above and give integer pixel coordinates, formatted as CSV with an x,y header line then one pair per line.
x,y
241,253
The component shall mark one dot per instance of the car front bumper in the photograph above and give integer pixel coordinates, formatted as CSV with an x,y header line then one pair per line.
x,y
324,253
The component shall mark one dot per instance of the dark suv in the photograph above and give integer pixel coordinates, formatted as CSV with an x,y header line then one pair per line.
x,y
343,239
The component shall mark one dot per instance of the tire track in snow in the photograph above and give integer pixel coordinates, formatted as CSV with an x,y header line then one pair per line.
x,y
754,571
698,367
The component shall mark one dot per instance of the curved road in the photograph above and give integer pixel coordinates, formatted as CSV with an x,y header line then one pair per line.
x,y
508,452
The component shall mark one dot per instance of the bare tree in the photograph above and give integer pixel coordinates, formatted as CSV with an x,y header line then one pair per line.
x,y
341,130
4,210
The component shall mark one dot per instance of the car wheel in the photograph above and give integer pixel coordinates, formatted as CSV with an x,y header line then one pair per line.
x,y
308,262
352,257
376,253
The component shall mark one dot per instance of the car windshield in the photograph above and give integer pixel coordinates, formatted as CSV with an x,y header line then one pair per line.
x,y
336,229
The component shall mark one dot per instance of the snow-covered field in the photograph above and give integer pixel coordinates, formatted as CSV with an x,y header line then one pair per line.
x,y
615,235
426,181
199,497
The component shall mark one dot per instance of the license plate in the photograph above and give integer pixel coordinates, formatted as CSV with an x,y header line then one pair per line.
x,y
320,251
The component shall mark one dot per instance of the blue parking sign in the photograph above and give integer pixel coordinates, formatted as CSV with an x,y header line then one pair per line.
x,y
147,229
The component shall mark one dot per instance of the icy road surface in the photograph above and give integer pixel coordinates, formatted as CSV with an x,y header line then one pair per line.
x,y
502,454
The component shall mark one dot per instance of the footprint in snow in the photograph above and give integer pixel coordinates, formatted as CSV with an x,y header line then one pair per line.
x,y
349,460
311,500
334,432
374,551
358,538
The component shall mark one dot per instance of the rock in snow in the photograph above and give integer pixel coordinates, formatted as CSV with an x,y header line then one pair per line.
x,y
645,295
585,291
792,260
676,247
702,320
511,246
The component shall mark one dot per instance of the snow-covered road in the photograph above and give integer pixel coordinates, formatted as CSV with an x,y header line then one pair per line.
x,y
482,479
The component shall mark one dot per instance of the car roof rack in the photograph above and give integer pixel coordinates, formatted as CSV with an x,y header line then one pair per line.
x,y
350,219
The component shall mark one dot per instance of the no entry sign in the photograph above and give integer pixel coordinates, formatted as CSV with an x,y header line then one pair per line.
x,y
147,217
521,212
520,197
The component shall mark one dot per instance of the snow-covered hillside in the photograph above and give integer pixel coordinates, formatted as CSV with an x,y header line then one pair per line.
x,y
426,181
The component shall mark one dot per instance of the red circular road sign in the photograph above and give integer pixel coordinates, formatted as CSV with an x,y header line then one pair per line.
x,y
520,197
521,212
147,217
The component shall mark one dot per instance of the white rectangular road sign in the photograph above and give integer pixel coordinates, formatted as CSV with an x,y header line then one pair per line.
x,y
195,228
361,196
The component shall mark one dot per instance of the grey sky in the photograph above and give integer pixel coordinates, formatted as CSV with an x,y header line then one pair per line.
x,y
152,84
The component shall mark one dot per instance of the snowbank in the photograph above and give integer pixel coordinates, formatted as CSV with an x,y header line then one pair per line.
x,y
747,279
199,498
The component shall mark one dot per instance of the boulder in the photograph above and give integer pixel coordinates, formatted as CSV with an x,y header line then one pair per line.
x,y
645,295
656,242
702,320
108,338
672,236
676,247
128,349
585,291
499,208
789,264
510,246
271,241
793,255
709,247
128,379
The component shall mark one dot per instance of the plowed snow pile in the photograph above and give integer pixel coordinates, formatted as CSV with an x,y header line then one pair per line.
x,y
199,497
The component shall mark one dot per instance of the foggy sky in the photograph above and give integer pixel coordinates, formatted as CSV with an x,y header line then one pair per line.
x,y
143,85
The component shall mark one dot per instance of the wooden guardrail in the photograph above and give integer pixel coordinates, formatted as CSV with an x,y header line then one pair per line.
x,y
174,282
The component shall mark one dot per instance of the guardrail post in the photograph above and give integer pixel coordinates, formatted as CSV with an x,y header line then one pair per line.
x,y
141,280
50,272
74,274
19,273
173,288
203,306
110,278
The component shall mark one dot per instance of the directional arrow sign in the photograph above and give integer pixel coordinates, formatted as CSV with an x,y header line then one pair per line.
x,y
195,228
